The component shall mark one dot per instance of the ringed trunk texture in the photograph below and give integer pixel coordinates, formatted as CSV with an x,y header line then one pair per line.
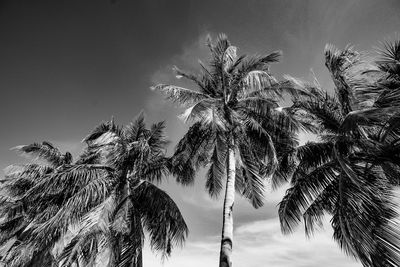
x,y
227,225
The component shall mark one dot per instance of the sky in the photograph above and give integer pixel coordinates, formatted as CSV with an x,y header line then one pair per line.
x,y
65,66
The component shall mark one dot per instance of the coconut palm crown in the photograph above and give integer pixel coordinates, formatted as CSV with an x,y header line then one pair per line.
x,y
107,199
134,204
238,129
350,172
17,215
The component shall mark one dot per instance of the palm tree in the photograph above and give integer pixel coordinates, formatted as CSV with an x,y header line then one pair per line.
x,y
239,130
384,94
385,91
349,173
109,198
16,215
137,154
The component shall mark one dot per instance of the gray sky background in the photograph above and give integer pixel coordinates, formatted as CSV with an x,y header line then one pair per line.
x,y
67,65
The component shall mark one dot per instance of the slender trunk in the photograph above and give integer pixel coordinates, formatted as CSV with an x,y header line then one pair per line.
x,y
116,244
139,259
227,225
137,233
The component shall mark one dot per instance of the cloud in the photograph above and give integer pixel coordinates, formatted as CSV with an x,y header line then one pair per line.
x,y
261,243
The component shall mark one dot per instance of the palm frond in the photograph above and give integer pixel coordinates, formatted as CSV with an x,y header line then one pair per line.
x,y
136,129
102,128
216,170
229,57
324,202
154,169
390,58
92,186
361,216
253,181
44,151
160,216
305,188
191,152
180,95
314,154
325,112
73,251
366,117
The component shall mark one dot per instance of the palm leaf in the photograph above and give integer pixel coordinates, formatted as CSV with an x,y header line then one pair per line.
x,y
183,96
160,216
45,151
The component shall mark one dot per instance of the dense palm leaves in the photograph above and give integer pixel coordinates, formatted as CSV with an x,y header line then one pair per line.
x,y
106,198
351,171
18,215
239,131
137,155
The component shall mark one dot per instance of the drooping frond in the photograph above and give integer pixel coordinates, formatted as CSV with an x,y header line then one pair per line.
x,y
78,176
85,242
323,203
306,187
285,169
160,216
362,216
155,169
191,153
157,140
314,154
92,184
252,177
325,111
44,151
92,237
216,170
20,178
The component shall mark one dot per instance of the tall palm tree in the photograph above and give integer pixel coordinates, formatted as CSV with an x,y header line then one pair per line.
x,y
238,131
347,173
109,198
16,215
137,155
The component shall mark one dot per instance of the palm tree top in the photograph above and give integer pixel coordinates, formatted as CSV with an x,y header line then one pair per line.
x,y
234,104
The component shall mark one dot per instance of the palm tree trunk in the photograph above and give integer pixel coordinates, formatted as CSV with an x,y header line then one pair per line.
x,y
227,225
139,258
116,247
137,232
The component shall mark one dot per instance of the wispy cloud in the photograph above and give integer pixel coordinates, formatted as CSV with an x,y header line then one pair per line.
x,y
261,243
